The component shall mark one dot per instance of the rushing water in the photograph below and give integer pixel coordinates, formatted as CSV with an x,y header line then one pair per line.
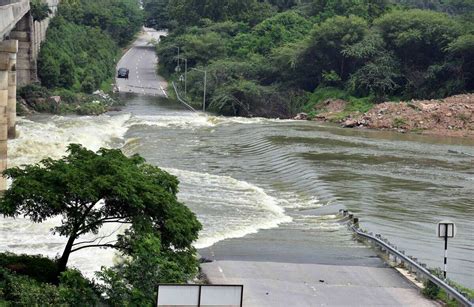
x,y
240,175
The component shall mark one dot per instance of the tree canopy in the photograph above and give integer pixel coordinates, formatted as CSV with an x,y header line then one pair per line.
x,y
88,190
372,50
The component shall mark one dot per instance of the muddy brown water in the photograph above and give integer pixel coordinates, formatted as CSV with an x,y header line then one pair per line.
x,y
241,175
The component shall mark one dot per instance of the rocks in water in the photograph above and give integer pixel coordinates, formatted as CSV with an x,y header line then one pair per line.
x,y
301,116
350,123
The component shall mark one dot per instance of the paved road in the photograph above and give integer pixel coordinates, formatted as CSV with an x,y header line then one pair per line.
x,y
294,267
141,60
302,284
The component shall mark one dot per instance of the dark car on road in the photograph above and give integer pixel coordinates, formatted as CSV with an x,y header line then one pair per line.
x,y
123,73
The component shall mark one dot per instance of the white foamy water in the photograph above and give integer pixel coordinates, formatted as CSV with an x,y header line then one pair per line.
x,y
38,140
194,120
227,208
187,121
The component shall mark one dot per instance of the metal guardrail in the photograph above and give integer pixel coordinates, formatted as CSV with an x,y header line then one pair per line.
x,y
400,257
182,100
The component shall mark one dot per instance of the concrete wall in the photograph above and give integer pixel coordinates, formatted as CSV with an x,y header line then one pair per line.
x,y
10,12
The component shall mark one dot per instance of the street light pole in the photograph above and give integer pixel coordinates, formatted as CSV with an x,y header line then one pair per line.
x,y
205,87
179,52
185,77
178,56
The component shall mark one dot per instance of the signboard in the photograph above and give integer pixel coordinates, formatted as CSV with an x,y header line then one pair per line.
x,y
446,229
199,295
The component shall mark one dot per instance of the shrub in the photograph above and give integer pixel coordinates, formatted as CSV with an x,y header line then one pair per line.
x,y
33,91
431,290
35,266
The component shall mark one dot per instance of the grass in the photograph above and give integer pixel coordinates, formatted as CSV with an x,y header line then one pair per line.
x,y
355,104
399,122
434,292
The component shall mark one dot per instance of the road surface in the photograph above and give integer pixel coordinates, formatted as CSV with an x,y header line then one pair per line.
x,y
300,267
141,60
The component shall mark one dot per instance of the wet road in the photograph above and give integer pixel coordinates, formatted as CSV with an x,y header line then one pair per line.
x,y
141,60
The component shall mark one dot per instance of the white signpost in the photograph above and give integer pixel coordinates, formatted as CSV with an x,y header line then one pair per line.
x,y
445,230
171,295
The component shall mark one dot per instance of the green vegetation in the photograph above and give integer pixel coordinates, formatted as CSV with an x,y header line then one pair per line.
x,y
39,10
83,44
432,291
26,280
73,289
41,99
89,190
267,58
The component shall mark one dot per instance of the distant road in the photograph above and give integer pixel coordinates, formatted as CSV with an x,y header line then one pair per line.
x,y
141,60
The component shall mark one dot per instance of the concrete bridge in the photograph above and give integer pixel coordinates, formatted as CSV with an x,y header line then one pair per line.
x,y
20,41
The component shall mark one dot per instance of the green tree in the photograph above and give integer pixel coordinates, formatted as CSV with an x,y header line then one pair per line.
x,y
367,9
89,190
324,51
283,28
420,40
462,50
156,13
133,281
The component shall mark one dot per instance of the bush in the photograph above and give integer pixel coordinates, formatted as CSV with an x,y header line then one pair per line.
x,y
27,280
67,96
39,10
35,266
33,91
76,290
91,108
24,291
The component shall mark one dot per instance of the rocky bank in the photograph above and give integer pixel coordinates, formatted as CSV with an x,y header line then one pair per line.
x,y
452,116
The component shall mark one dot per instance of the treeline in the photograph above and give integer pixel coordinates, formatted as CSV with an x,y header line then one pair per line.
x,y
270,58
83,42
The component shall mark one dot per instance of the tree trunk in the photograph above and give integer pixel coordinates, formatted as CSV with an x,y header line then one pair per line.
x,y
62,262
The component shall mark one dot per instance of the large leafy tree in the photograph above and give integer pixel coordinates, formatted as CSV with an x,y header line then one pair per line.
x,y
89,190
420,40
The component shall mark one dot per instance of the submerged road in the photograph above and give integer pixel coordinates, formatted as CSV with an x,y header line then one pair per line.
x,y
284,266
141,61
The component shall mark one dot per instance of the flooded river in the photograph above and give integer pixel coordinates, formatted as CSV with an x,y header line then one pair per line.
x,y
240,175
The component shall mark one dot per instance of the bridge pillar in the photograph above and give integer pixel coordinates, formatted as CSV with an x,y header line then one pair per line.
x,y
8,52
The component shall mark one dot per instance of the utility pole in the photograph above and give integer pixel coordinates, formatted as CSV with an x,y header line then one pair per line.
x,y
185,77
205,87
177,69
178,56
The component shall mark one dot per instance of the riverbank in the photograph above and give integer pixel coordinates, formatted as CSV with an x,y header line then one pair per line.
x,y
449,117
